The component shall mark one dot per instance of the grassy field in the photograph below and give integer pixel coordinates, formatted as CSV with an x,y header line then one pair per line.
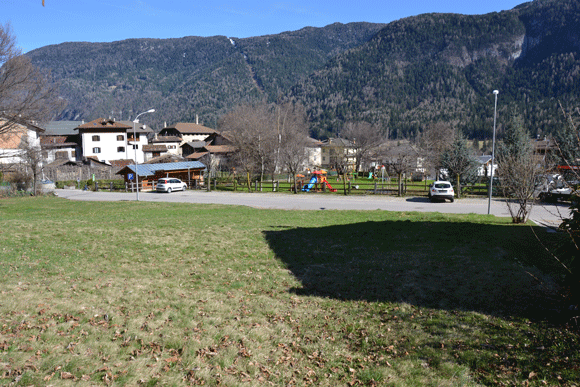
x,y
147,294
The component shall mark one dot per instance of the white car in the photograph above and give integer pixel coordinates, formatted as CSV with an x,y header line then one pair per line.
x,y
168,184
441,189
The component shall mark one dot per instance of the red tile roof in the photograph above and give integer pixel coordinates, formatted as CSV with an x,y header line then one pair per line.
x,y
166,139
196,155
220,148
122,163
191,128
101,123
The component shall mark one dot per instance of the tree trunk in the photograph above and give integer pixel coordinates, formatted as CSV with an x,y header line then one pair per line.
x,y
458,187
399,184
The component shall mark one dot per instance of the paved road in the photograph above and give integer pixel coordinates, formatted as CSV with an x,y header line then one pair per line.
x,y
547,215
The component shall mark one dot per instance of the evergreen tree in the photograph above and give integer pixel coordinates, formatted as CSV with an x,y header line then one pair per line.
x,y
460,163
567,140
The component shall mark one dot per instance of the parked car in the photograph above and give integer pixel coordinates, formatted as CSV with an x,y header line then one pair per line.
x,y
170,184
441,189
552,188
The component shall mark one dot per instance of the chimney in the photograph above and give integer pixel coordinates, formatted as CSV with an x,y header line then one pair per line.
x,y
165,124
196,119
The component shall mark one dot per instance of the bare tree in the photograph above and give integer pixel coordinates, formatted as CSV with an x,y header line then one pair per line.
x,y
364,138
26,95
252,130
517,174
517,170
399,160
293,137
239,126
31,159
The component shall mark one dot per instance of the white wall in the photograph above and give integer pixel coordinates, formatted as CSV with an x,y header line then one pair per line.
x,y
109,145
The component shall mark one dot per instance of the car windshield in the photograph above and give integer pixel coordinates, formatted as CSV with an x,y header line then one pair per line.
x,y
443,185
161,181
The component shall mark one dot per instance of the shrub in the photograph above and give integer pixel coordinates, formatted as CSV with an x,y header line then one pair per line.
x,y
570,251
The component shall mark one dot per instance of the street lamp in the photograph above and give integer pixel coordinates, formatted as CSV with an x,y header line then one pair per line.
x,y
495,92
135,121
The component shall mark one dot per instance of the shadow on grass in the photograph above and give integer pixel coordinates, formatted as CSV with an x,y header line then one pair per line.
x,y
494,269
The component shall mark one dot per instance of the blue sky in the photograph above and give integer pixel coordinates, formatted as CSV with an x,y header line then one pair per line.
x,y
110,20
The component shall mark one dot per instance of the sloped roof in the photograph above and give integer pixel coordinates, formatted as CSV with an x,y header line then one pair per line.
x,y
154,148
139,127
61,128
191,128
312,142
121,163
165,139
101,123
151,169
483,159
220,148
165,158
196,155
340,142
60,162
195,144
56,141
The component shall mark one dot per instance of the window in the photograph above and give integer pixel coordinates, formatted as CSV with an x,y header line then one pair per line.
x,y
120,138
135,146
120,149
96,138
96,150
171,147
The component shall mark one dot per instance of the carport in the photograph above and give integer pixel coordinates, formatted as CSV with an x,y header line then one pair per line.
x,y
190,172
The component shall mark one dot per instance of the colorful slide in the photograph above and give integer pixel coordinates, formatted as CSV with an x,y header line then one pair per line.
x,y
309,186
329,186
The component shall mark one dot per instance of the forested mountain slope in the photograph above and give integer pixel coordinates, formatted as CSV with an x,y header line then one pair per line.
x,y
193,75
402,76
444,67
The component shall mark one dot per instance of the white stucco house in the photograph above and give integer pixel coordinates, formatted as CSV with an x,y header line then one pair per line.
x,y
107,140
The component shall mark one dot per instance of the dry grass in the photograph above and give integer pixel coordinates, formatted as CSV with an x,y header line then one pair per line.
x,y
165,294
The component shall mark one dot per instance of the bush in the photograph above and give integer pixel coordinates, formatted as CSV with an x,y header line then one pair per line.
x,y
570,251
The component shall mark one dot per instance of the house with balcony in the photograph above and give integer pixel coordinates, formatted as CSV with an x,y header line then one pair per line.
x,y
162,145
337,150
186,132
60,141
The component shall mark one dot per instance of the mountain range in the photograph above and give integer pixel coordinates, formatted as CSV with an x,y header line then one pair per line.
x,y
402,76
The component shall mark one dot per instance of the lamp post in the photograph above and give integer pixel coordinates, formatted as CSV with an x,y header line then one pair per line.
x,y
495,92
135,121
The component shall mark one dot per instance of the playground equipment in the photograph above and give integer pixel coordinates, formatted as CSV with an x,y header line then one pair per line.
x,y
318,178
